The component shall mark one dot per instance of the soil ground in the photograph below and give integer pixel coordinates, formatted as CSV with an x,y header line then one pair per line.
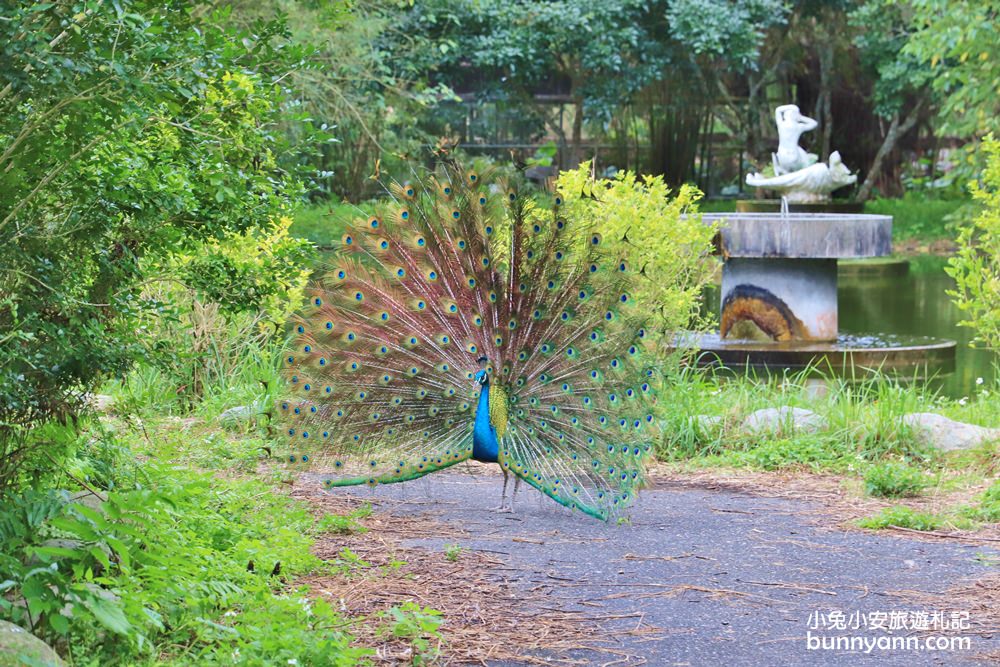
x,y
707,571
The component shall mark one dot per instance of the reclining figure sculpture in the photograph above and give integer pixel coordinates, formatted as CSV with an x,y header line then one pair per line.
x,y
797,174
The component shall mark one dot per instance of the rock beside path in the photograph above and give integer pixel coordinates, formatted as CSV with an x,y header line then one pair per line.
x,y
17,643
238,414
948,435
770,420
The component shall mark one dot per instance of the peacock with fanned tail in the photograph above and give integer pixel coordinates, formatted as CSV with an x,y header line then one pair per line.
x,y
464,321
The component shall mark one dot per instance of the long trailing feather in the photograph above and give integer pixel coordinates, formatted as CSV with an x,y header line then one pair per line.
x,y
452,270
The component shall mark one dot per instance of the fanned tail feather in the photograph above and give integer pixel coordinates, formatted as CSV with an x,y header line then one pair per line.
x,y
452,270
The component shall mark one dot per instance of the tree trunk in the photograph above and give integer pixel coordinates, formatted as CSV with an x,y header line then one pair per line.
x,y
896,130
577,135
824,114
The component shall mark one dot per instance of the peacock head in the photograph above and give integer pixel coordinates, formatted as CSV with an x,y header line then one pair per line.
x,y
482,377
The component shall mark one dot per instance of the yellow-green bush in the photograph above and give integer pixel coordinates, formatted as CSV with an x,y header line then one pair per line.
x,y
976,267
660,232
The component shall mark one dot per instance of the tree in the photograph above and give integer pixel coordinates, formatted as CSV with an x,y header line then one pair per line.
x,y
127,129
956,43
903,90
613,58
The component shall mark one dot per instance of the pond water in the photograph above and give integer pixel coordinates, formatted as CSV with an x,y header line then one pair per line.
x,y
911,303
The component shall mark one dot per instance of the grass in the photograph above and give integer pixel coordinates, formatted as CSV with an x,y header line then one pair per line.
x,y
323,223
903,517
862,420
921,218
863,437
894,480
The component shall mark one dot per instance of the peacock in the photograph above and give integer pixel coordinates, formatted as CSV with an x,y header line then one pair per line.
x,y
467,320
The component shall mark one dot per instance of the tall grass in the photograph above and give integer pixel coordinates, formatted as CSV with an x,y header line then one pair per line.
x,y
702,414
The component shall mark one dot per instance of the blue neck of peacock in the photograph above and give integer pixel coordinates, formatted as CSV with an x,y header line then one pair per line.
x,y
484,438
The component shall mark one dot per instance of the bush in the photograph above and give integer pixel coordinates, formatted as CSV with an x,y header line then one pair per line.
x,y
128,129
661,232
976,267
989,506
894,480
181,566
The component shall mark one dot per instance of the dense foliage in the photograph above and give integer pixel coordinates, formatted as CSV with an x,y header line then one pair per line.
x,y
160,571
130,132
976,267
660,235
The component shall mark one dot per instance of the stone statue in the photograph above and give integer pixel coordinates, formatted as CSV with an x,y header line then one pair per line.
x,y
797,174
791,124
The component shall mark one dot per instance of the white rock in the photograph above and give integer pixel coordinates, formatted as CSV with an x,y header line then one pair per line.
x,y
18,646
784,418
237,414
99,402
947,434
704,423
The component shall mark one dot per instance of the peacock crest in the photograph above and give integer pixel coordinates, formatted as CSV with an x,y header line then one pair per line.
x,y
466,321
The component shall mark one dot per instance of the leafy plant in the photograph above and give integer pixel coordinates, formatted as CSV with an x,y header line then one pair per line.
x,y
127,130
976,266
183,565
988,508
452,552
659,233
894,480
345,524
419,626
903,517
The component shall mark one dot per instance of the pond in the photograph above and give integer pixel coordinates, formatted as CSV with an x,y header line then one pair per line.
x,y
909,303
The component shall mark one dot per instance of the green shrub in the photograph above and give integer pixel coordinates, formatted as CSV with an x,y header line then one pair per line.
x,y
903,517
976,266
988,509
894,480
184,566
667,239
146,130
418,626
804,449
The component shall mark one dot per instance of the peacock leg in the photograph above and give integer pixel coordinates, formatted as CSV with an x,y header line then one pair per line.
x,y
503,493
513,495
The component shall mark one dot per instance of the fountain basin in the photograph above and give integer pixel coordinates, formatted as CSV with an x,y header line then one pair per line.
x,y
803,235
917,357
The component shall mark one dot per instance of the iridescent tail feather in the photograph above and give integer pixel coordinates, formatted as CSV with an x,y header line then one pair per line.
x,y
450,270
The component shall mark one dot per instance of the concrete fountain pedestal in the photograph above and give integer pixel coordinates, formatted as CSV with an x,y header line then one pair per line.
x,y
779,296
774,206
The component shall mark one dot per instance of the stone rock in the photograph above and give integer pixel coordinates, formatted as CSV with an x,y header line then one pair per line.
x,y
88,499
946,434
240,413
778,419
100,402
17,643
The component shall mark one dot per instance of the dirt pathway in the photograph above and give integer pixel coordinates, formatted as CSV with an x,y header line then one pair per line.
x,y
699,576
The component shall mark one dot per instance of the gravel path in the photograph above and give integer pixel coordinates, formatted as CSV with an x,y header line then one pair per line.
x,y
713,577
